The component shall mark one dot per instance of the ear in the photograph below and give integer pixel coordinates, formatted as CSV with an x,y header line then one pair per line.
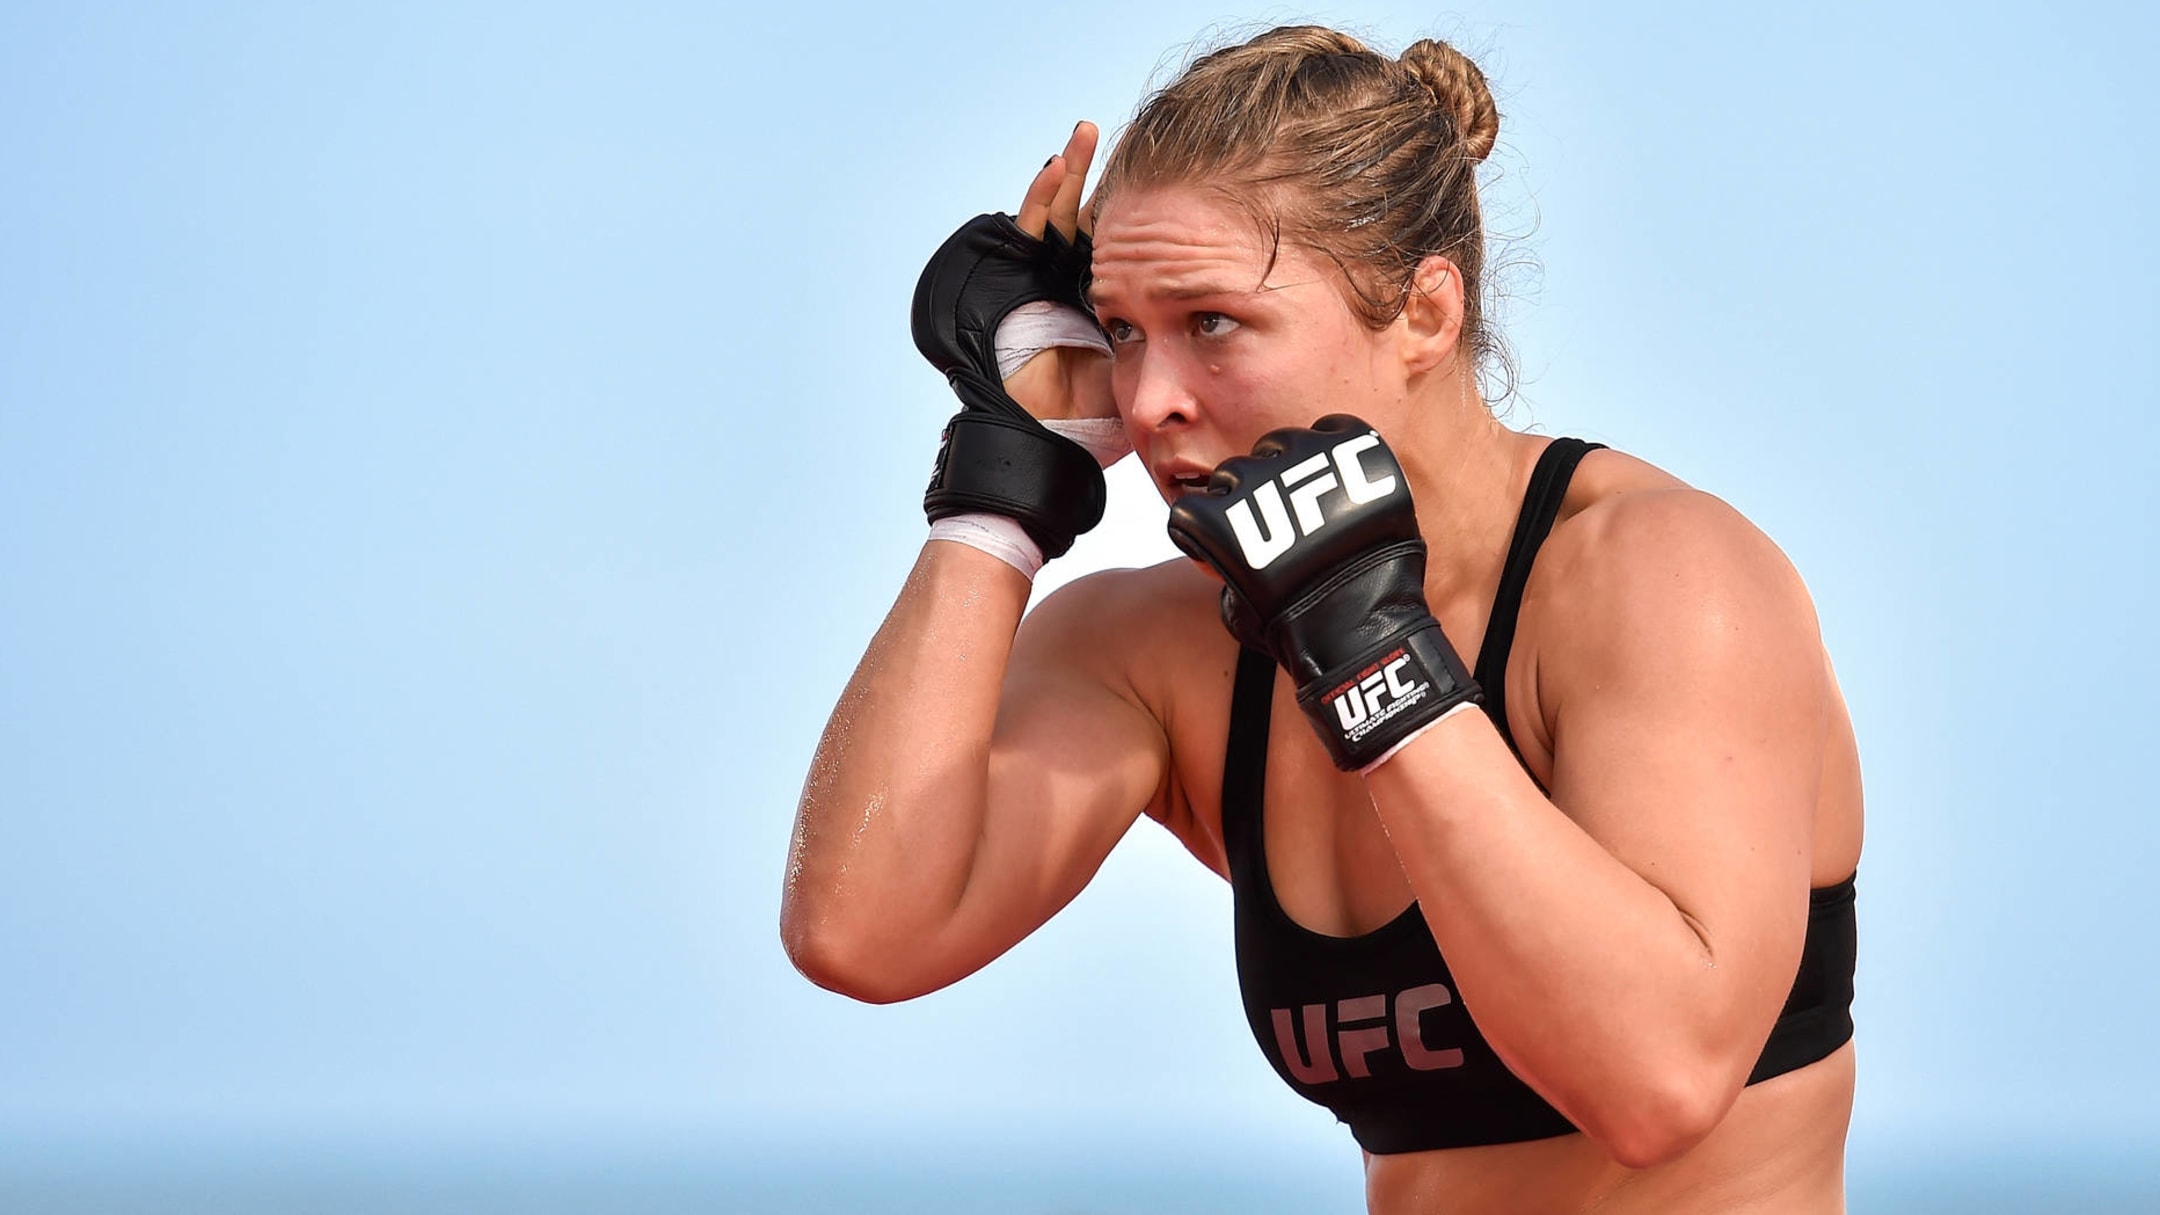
x,y
1432,315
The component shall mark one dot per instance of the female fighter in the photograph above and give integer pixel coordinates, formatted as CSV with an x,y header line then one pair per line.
x,y
1524,759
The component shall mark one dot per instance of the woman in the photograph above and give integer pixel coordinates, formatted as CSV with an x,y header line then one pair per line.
x,y
1588,948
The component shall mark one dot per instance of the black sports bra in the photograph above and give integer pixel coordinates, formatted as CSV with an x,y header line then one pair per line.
x,y
1369,1026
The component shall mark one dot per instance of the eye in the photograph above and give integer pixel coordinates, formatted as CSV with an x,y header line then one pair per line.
x,y
1213,324
1120,332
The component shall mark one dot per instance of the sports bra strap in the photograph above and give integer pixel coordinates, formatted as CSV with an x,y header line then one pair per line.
x,y
1540,508
1245,759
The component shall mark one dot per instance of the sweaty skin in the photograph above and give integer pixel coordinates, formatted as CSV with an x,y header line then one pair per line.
x,y
1624,943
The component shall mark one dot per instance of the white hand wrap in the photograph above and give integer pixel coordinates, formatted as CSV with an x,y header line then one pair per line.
x,y
1033,328
996,535
1413,736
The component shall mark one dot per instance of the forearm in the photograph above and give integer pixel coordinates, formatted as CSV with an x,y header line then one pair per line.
x,y
893,808
1585,977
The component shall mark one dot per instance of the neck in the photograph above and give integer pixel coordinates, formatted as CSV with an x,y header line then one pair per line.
x,y
1468,474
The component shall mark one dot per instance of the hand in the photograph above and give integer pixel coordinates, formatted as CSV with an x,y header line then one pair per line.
x,y
997,456
1316,540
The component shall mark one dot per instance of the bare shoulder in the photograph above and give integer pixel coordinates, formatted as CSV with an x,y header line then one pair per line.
x,y
1644,571
1634,535
1149,633
1126,618
1130,590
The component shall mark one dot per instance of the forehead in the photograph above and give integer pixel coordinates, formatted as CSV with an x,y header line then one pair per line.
x,y
1180,242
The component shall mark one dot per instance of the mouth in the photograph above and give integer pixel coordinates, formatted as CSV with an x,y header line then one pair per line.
x,y
1183,475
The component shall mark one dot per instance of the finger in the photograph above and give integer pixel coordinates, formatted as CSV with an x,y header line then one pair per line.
x,y
1079,154
1041,193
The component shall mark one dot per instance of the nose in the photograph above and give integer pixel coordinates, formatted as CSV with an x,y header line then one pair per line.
x,y
1155,389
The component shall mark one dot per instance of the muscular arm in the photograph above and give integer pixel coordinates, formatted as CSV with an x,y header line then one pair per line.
x,y
969,783
1626,943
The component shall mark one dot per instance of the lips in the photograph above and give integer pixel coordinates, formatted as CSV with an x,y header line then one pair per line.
x,y
1184,477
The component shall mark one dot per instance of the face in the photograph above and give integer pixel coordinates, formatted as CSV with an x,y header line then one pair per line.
x,y
1212,348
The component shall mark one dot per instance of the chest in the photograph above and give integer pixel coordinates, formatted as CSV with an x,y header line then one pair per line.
x,y
1327,856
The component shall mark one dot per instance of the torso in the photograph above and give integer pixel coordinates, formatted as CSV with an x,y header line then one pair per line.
x,y
1781,1148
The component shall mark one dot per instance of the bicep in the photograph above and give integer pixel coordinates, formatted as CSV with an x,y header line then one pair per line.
x,y
1074,761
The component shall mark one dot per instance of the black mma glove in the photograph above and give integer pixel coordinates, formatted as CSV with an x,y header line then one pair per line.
x,y
995,456
1318,548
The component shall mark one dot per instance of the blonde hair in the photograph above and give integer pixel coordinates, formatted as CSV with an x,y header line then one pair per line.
x,y
1369,160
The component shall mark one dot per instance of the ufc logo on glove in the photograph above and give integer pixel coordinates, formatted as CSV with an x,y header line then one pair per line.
x,y
1377,694
1270,537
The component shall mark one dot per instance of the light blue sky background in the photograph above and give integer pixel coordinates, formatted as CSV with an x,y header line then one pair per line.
x,y
452,455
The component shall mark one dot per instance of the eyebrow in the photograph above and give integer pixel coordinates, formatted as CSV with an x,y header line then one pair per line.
x,y
1193,292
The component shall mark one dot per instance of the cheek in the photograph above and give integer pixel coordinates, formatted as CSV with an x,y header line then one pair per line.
x,y
1303,378
1356,372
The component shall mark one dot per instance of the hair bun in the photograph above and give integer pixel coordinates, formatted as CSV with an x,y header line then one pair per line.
x,y
1459,89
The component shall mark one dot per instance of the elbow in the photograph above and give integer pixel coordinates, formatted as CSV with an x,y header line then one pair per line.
x,y
841,966
1663,1117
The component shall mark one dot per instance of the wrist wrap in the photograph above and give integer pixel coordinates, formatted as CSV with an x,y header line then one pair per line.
x,y
1371,664
996,535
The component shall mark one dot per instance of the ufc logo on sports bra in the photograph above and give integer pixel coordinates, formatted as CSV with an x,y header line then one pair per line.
x,y
1313,1062
1270,536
